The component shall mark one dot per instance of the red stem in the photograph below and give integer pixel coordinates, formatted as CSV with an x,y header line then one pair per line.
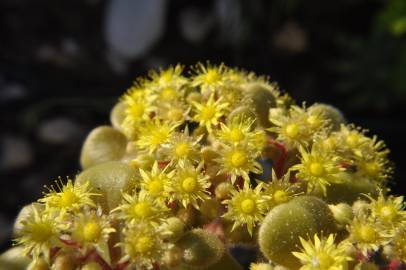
x,y
280,162
94,256
121,266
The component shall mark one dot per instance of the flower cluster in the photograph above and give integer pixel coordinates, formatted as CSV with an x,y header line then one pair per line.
x,y
224,150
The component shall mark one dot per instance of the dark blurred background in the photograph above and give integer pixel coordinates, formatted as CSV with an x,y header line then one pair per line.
x,y
63,65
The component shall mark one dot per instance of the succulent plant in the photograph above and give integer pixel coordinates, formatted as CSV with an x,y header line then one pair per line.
x,y
195,165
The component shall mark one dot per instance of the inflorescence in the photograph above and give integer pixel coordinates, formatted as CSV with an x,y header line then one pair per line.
x,y
219,157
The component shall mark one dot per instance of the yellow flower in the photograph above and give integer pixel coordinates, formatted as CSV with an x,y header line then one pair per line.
x,y
140,208
318,169
239,161
351,139
170,78
90,229
388,210
39,233
280,190
298,126
366,234
246,207
399,244
155,183
138,107
208,114
375,168
175,112
241,131
323,254
142,246
209,77
154,134
183,147
189,186
68,197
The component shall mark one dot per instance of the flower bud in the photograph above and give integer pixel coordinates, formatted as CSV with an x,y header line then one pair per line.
x,y
263,97
38,264
91,266
241,112
101,145
350,191
117,115
223,190
173,228
342,213
109,179
172,257
280,231
200,249
329,112
12,259
65,261
24,213
261,266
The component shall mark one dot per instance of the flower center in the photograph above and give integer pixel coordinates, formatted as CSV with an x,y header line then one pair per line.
x,y
280,196
367,234
68,198
372,169
324,260
92,232
159,137
236,135
144,244
352,140
238,159
248,206
142,210
208,112
292,131
137,110
168,94
175,114
155,187
388,212
41,232
212,76
189,184
182,150
316,169
314,121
